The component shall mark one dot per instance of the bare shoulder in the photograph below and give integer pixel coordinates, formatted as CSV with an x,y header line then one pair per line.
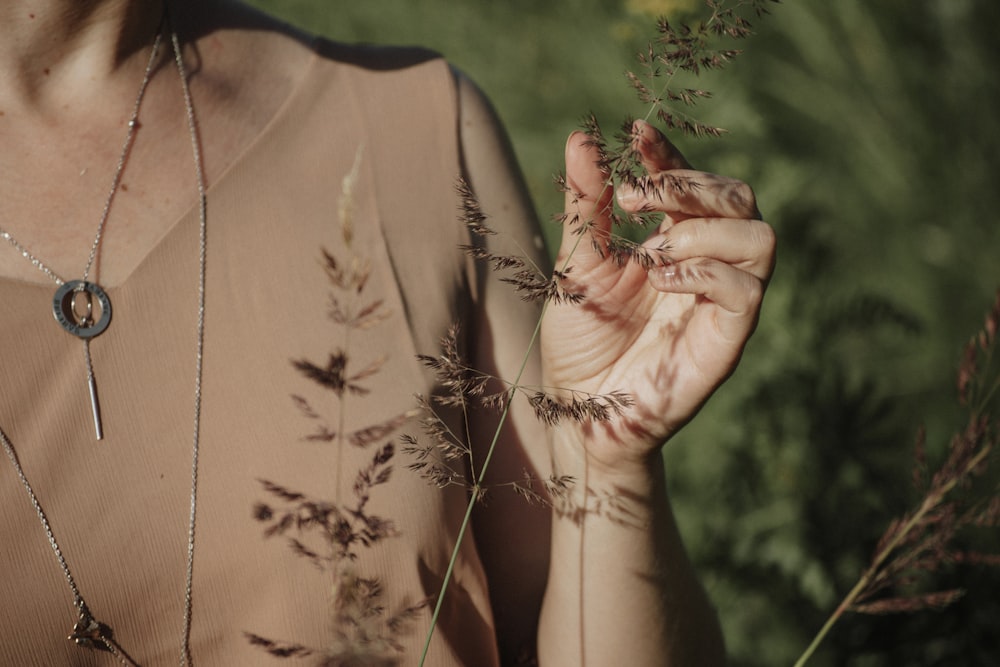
x,y
475,109
492,170
244,57
244,64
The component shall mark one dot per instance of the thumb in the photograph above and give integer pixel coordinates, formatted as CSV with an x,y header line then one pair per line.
x,y
588,201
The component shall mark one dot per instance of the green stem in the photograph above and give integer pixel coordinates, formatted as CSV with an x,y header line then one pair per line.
x,y
447,576
474,496
486,461
489,455
830,622
931,501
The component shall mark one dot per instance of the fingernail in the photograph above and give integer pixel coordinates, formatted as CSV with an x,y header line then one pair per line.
x,y
627,196
646,133
667,270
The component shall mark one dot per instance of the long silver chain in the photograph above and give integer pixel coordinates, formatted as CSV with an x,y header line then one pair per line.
x,y
185,658
88,631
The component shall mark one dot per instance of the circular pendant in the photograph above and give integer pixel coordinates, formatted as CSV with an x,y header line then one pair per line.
x,y
73,307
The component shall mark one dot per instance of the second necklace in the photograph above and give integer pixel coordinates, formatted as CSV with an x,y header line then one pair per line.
x,y
88,631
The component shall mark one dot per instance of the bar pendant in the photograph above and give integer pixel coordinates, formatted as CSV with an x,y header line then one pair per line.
x,y
95,407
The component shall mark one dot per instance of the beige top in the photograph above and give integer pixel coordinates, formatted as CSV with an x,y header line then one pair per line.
x,y
119,507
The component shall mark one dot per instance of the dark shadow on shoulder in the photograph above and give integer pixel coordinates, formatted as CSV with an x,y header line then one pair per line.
x,y
195,19
373,56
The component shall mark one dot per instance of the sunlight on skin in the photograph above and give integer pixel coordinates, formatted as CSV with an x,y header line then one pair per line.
x,y
668,336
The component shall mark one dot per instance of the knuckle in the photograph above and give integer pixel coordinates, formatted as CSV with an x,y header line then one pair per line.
x,y
765,237
743,197
755,293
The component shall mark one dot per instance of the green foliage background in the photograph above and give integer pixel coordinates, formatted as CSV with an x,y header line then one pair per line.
x,y
870,133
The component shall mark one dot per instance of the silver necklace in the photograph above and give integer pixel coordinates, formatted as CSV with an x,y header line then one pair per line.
x,y
88,631
73,303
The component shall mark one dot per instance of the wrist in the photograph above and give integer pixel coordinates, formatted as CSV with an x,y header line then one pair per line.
x,y
600,462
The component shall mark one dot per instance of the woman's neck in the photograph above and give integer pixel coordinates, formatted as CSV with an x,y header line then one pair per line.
x,y
55,50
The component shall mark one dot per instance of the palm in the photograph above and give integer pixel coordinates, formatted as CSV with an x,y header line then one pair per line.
x,y
665,340
663,350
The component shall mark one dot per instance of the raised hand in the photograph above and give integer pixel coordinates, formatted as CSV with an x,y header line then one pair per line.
x,y
669,335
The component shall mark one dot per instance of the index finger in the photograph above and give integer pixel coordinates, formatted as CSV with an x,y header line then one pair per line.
x,y
674,188
691,194
655,151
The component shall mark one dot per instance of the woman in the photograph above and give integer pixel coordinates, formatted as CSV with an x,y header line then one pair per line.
x,y
227,380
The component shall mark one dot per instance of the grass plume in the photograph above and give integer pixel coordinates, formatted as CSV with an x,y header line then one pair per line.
x,y
924,539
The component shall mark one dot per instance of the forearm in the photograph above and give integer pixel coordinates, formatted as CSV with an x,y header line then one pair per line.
x,y
621,590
